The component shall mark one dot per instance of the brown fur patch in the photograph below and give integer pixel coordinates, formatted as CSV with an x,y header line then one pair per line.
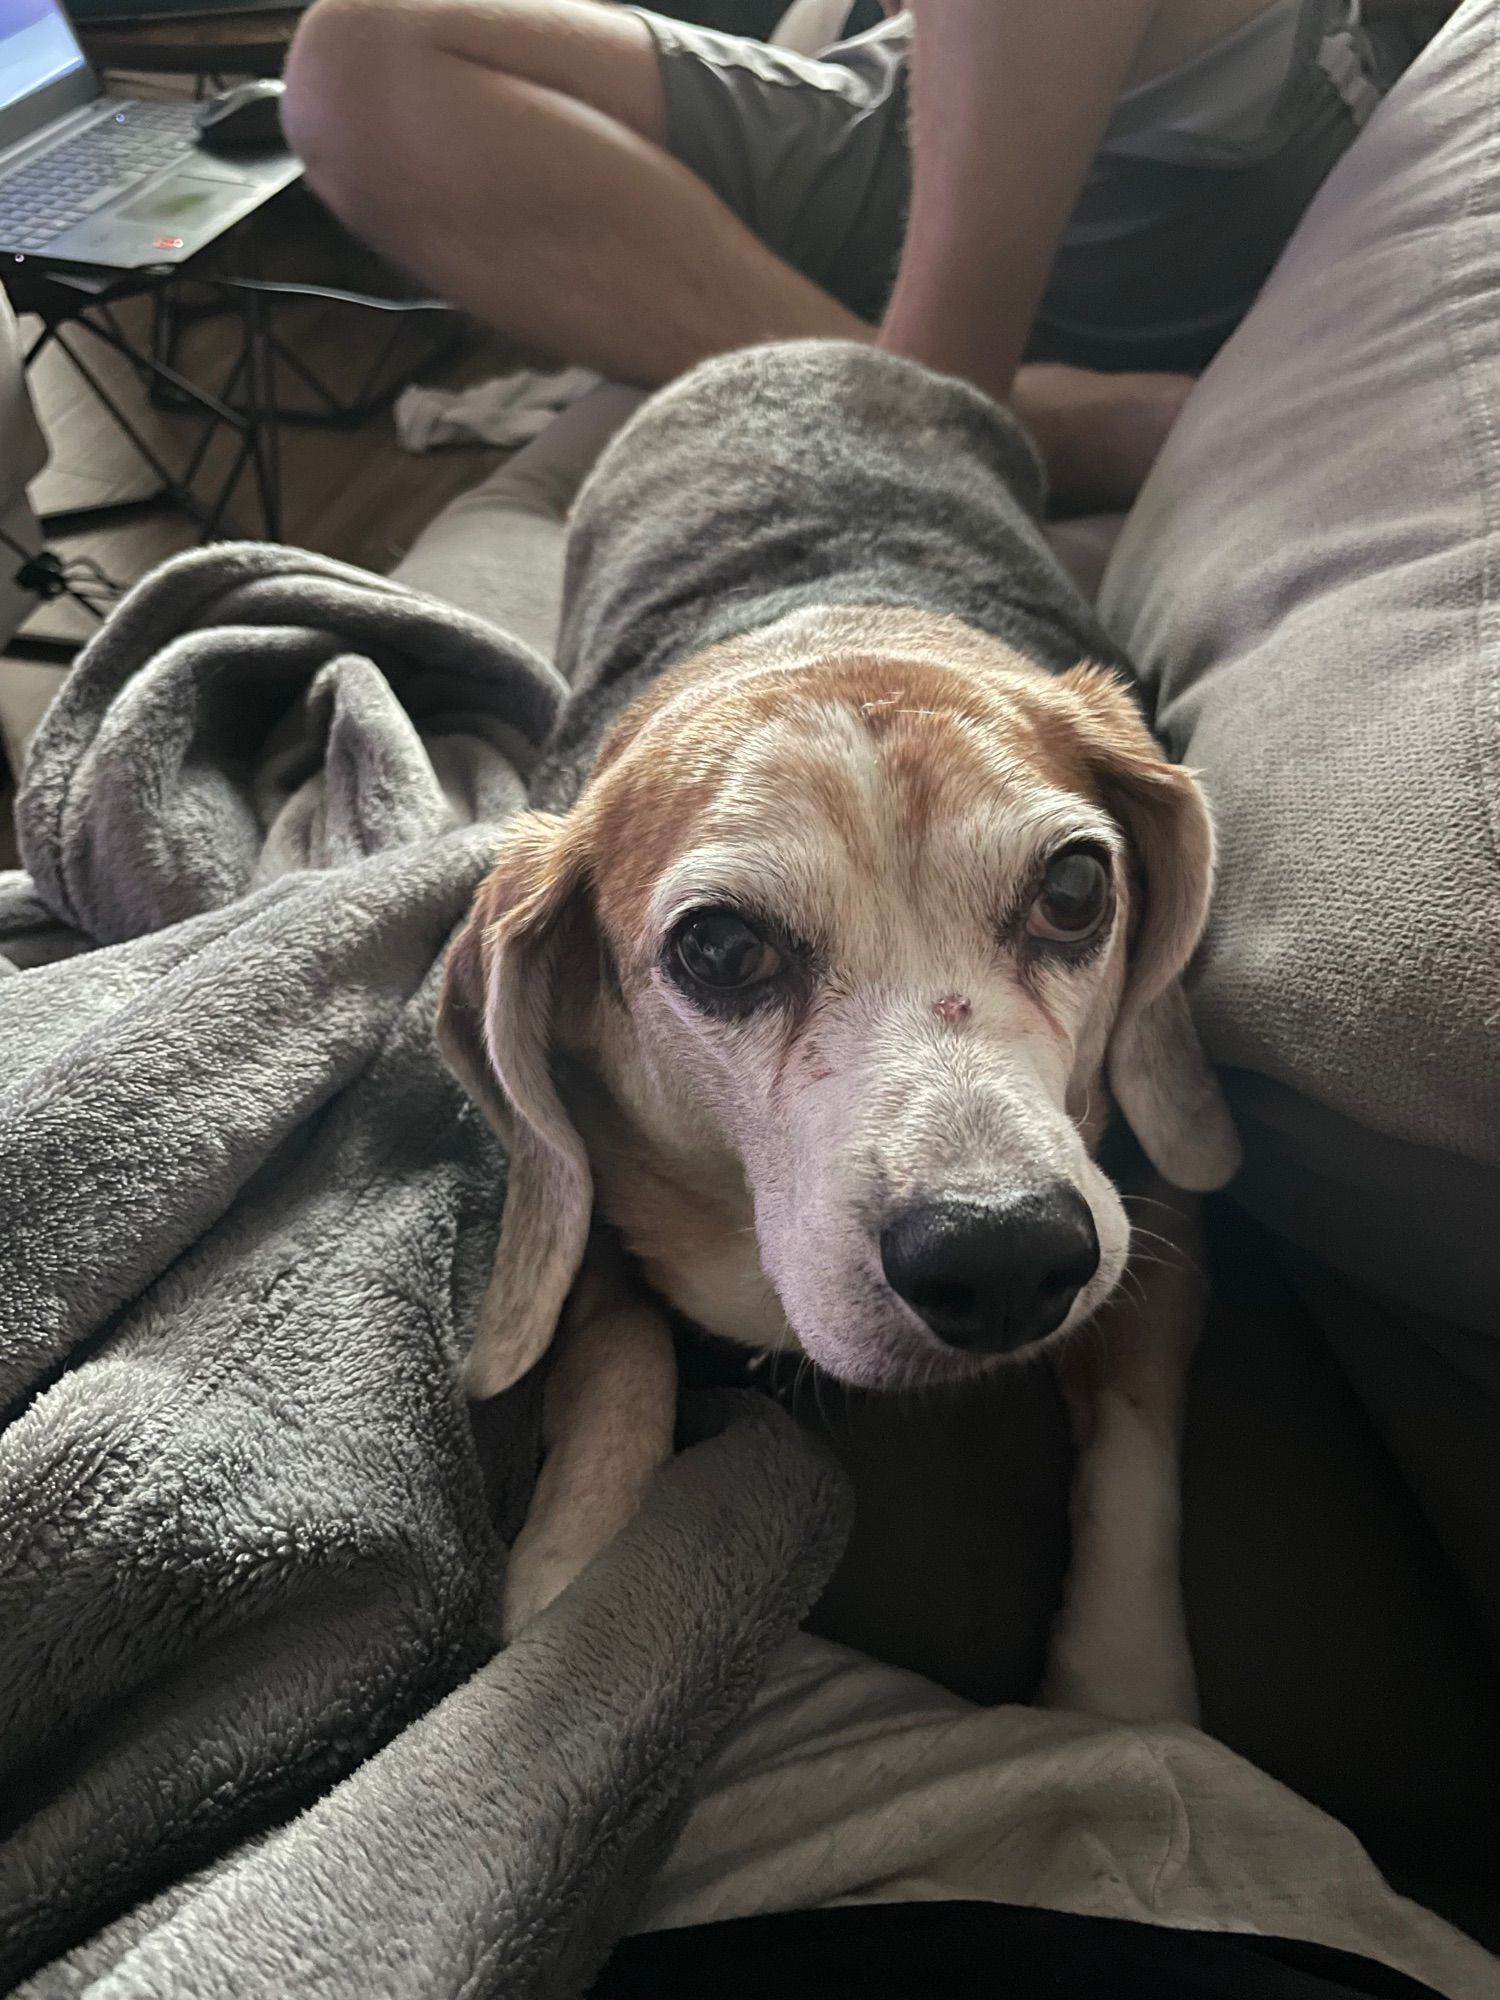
x,y
935,699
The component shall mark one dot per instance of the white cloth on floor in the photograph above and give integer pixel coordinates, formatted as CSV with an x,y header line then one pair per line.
x,y
508,410
852,1782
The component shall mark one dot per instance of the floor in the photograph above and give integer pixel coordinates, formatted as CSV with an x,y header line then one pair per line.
x,y
353,493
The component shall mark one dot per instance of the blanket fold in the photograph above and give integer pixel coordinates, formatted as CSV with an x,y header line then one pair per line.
x,y
245,1219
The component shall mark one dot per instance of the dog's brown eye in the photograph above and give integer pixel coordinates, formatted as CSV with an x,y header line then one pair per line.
x,y
721,951
1074,897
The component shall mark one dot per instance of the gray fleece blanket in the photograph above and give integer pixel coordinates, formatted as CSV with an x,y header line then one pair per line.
x,y
255,1738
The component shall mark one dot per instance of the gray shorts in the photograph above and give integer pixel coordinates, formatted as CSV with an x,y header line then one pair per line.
x,y
1200,180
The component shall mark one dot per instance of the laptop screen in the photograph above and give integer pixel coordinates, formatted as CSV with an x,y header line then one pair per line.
x,y
36,48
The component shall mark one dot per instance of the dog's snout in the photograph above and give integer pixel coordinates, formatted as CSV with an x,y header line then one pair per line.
x,y
992,1276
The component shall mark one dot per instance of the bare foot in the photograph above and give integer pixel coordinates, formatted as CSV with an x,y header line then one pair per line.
x,y
1098,434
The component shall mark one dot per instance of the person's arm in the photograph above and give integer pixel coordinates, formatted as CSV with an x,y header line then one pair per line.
x,y
1009,101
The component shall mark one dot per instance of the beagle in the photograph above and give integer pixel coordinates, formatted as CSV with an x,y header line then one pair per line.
x,y
858,894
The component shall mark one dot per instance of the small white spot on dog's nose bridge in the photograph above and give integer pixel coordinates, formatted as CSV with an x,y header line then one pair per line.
x,y
953,1008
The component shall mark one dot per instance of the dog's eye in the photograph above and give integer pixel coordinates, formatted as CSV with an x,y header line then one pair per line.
x,y
1073,901
720,951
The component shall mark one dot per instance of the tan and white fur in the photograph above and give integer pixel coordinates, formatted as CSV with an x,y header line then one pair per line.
x,y
882,790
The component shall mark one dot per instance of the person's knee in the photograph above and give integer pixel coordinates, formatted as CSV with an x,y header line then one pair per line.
x,y
339,77
370,82
365,76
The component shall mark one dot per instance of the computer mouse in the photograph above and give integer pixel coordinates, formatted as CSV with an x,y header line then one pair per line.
x,y
244,118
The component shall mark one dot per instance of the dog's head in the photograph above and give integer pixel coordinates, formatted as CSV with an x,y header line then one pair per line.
x,y
822,991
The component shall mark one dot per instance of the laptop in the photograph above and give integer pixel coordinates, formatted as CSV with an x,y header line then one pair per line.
x,y
111,181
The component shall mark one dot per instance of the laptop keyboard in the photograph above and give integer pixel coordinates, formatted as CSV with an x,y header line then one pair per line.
x,y
48,195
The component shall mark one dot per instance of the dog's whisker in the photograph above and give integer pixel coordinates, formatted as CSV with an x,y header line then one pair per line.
x,y
1148,1201
1155,1234
1177,1254
1134,1289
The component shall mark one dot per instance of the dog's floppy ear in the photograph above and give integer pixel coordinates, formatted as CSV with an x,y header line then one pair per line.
x,y
1158,1073
496,1023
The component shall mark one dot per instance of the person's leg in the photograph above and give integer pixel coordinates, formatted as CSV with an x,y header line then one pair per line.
x,y
517,155
513,154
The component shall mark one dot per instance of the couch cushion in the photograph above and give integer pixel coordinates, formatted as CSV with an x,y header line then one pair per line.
x,y
1309,583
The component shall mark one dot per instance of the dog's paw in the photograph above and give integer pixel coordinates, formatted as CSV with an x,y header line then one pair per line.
x,y
535,1578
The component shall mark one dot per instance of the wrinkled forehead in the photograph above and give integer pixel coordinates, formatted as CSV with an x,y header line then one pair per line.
x,y
852,797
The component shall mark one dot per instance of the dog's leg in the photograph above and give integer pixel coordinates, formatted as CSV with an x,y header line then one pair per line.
x,y
609,1409
1119,1647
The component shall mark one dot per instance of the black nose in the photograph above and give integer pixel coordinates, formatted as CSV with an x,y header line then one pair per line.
x,y
993,1276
